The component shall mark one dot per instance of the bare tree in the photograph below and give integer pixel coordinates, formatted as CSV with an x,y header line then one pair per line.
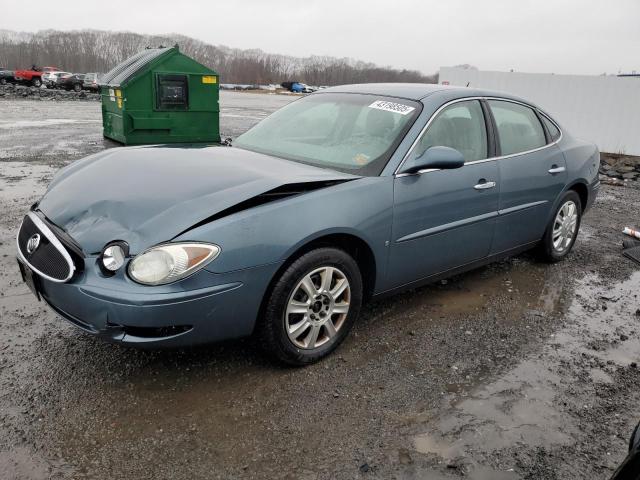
x,y
99,51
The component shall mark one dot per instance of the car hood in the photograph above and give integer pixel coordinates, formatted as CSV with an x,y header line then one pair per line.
x,y
148,195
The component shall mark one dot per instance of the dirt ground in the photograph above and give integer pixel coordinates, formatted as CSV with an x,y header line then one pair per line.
x,y
519,370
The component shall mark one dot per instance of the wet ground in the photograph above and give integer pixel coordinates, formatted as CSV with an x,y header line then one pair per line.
x,y
519,370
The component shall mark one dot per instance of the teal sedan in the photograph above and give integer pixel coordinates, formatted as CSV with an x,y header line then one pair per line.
x,y
344,195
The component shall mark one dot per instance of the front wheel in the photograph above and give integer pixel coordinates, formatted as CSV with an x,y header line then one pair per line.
x,y
3,81
562,231
36,82
77,87
311,307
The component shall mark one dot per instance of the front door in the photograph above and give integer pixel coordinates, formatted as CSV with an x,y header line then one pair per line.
x,y
445,218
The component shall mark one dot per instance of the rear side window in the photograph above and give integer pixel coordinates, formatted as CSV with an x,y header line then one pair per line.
x,y
554,133
460,126
519,129
172,92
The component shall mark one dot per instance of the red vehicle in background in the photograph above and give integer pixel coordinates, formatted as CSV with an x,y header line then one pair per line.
x,y
33,76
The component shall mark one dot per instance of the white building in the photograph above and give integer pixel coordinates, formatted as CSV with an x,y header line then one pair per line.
x,y
601,109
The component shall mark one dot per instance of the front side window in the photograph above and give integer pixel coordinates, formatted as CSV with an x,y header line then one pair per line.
x,y
519,129
460,126
348,132
172,92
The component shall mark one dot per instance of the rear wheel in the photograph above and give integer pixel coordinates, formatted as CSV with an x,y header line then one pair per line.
x,y
562,231
3,81
77,87
311,307
37,82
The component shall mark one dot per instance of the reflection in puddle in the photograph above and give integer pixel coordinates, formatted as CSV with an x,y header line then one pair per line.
x,y
521,406
525,288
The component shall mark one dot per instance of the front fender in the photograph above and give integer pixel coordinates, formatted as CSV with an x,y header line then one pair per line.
x,y
272,232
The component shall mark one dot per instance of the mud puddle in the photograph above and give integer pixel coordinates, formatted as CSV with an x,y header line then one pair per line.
x,y
528,405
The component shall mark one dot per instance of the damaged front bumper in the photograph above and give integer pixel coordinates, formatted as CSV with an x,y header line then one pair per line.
x,y
206,307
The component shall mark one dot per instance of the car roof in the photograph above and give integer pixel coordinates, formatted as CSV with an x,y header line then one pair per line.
x,y
415,91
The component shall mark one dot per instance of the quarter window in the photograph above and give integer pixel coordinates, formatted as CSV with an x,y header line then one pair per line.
x,y
172,92
554,133
519,129
460,126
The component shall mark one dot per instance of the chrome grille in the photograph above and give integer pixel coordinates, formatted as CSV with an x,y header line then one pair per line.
x,y
49,258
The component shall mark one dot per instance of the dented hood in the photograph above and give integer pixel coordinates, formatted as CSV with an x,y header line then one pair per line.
x,y
148,195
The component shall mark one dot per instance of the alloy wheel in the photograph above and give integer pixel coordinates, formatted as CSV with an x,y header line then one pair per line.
x,y
318,307
565,226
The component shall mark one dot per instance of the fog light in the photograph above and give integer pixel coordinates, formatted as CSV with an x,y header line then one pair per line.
x,y
113,257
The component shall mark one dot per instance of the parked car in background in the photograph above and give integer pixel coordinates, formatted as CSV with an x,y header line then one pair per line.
x,y
6,76
33,76
347,194
91,82
72,81
298,87
50,79
302,88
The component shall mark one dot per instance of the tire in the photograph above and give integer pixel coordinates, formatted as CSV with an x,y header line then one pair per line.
x,y
3,81
560,237
329,315
77,87
36,82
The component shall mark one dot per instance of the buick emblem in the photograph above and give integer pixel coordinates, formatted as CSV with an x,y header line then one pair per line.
x,y
33,243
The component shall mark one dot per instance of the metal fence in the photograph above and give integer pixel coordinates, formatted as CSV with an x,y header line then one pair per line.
x,y
601,109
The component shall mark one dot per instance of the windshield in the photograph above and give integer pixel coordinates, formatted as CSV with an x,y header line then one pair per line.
x,y
348,132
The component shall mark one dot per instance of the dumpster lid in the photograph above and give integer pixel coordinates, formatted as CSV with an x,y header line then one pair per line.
x,y
126,69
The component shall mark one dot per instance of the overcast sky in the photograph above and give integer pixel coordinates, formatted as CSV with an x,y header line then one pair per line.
x,y
560,36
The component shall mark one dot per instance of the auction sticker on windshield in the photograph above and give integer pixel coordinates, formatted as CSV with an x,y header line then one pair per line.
x,y
392,107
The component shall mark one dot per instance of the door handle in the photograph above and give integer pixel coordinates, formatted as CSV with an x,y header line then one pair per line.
x,y
556,169
485,185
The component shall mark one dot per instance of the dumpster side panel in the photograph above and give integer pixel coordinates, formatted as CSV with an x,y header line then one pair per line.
x,y
144,122
134,113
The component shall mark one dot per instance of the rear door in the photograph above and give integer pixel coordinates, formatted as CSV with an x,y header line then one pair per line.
x,y
532,174
445,218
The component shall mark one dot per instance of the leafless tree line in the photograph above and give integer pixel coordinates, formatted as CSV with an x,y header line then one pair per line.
x,y
99,51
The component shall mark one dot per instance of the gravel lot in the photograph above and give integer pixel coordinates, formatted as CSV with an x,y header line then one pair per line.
x,y
519,370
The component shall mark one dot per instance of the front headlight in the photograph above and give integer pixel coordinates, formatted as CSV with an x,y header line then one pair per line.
x,y
171,262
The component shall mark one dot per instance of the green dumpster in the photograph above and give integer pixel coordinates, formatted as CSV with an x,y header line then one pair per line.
x,y
160,95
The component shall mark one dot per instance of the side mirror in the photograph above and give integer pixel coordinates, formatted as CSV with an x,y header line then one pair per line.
x,y
435,157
